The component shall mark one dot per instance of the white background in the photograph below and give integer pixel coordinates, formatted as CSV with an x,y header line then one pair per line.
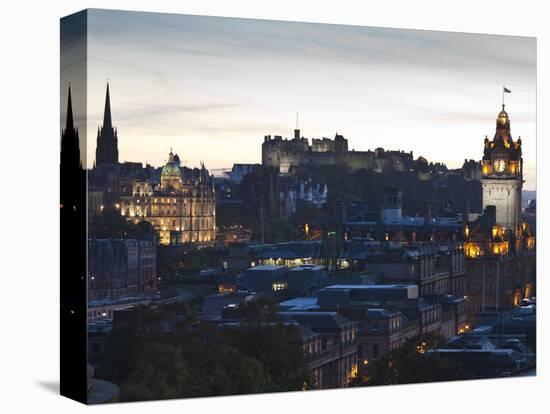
x,y
29,255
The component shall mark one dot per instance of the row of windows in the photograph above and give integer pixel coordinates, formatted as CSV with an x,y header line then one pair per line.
x,y
348,335
313,347
393,325
431,316
96,313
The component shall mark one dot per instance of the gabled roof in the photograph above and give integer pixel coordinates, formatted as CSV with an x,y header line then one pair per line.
x,y
318,321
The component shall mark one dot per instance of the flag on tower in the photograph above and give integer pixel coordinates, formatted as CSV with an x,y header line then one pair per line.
x,y
506,90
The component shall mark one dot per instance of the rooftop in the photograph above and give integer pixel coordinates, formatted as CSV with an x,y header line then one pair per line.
x,y
371,287
299,304
266,267
379,313
306,267
317,320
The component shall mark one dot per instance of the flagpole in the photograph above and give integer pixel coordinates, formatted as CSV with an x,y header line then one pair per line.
x,y
505,90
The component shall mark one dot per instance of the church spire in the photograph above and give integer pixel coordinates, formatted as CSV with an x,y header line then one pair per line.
x,y
70,123
107,139
107,123
70,149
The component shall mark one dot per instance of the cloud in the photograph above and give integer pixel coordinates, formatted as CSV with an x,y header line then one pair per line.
x,y
236,80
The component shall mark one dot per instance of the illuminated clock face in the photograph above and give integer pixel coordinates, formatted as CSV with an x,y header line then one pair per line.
x,y
499,165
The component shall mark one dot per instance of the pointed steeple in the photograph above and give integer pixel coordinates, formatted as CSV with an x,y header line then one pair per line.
x,y
107,139
70,150
70,124
107,123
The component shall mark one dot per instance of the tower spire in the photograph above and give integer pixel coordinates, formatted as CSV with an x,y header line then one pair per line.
x,y
107,138
107,123
70,123
70,150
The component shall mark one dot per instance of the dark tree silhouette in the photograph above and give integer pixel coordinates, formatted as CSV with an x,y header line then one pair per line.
x,y
111,225
411,364
162,352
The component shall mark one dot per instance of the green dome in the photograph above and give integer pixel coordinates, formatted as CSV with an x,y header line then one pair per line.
x,y
171,168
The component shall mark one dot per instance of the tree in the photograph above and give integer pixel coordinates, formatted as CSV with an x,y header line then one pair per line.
x,y
163,352
260,310
219,368
141,326
161,372
277,346
111,225
411,364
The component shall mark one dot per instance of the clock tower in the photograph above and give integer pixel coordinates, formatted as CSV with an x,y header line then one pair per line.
x,y
502,175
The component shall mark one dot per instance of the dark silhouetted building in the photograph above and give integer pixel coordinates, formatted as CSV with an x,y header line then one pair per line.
x,y
107,141
120,267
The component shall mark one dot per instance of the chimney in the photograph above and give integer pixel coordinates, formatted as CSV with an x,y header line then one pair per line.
x,y
392,204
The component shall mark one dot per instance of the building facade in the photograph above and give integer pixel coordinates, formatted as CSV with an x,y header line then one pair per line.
x,y
389,315
500,248
437,269
332,351
120,267
502,175
181,207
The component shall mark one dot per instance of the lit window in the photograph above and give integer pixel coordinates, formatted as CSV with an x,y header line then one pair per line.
x,y
276,286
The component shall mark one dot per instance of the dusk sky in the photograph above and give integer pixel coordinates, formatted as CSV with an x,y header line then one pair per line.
x,y
211,87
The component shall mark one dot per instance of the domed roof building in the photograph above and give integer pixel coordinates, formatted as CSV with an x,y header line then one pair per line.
x,y
170,177
172,167
181,208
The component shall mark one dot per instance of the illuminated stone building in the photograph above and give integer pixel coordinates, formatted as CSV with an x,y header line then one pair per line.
x,y
500,249
501,269
181,207
502,175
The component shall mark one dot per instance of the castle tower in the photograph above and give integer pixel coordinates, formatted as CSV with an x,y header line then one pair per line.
x,y
107,140
502,175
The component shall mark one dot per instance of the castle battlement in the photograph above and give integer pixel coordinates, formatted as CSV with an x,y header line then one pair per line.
x,y
284,153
